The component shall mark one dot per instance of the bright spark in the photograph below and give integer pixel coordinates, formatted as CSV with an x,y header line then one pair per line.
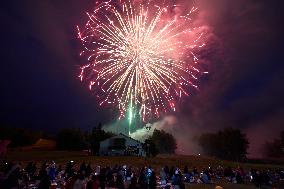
x,y
138,54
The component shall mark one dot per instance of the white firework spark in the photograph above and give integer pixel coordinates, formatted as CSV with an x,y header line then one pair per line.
x,y
139,56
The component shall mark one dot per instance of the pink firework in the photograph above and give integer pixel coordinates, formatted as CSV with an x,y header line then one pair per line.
x,y
141,55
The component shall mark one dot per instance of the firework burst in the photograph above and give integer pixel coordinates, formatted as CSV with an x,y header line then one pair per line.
x,y
140,55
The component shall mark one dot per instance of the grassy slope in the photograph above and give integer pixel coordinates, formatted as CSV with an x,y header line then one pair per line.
x,y
170,160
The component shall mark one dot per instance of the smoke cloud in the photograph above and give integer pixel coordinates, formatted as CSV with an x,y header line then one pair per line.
x,y
184,134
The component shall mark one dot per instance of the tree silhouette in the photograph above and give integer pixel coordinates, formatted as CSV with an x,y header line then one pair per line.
x,y
229,144
98,135
71,139
150,148
275,148
164,142
19,136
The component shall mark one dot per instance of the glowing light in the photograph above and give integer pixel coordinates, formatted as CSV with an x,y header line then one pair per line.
x,y
140,55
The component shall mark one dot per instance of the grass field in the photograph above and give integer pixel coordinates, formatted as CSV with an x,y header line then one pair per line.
x,y
157,162
61,157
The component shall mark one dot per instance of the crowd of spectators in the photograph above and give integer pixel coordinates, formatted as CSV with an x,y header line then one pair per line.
x,y
84,176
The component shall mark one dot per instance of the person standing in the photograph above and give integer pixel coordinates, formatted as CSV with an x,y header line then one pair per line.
x,y
152,181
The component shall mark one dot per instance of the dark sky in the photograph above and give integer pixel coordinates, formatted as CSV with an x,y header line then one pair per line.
x,y
40,63
40,88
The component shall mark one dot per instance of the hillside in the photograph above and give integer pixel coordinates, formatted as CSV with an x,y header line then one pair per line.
x,y
161,160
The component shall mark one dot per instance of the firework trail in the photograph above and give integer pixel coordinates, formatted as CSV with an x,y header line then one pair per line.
x,y
141,55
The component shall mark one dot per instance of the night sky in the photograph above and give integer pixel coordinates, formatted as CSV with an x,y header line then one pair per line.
x,y
244,88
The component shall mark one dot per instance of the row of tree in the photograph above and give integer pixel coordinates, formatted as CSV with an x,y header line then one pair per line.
x,y
19,136
232,144
229,143
75,139
160,142
275,148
